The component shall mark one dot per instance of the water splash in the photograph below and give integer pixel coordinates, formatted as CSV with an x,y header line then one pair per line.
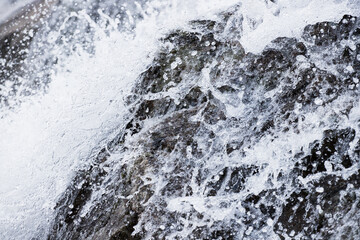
x,y
47,137
53,132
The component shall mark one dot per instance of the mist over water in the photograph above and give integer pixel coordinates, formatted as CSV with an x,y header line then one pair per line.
x,y
71,96
9,7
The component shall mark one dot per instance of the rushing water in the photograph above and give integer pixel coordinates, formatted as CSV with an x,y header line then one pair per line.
x,y
9,7
77,102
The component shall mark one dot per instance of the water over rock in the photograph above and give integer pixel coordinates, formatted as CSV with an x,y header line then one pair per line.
x,y
208,152
16,36
35,38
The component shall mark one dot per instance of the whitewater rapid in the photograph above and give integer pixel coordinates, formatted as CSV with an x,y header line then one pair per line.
x,y
46,137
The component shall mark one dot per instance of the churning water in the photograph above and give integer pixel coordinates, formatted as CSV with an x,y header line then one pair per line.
x,y
63,111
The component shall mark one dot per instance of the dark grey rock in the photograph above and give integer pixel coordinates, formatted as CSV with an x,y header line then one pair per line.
x,y
167,148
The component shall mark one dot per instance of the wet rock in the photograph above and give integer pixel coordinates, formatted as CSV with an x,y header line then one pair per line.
x,y
193,159
333,149
320,211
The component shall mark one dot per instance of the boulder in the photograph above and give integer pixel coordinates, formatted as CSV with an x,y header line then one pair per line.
x,y
179,168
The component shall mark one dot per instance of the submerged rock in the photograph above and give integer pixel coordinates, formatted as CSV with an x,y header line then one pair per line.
x,y
195,160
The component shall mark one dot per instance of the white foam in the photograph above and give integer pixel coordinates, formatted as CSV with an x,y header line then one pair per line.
x,y
45,139
287,18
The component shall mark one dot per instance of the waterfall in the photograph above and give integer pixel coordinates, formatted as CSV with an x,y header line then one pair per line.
x,y
78,106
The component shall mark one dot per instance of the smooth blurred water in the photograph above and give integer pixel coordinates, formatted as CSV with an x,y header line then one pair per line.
x,y
9,7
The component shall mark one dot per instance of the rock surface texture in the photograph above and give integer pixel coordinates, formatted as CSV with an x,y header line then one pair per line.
x,y
224,144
